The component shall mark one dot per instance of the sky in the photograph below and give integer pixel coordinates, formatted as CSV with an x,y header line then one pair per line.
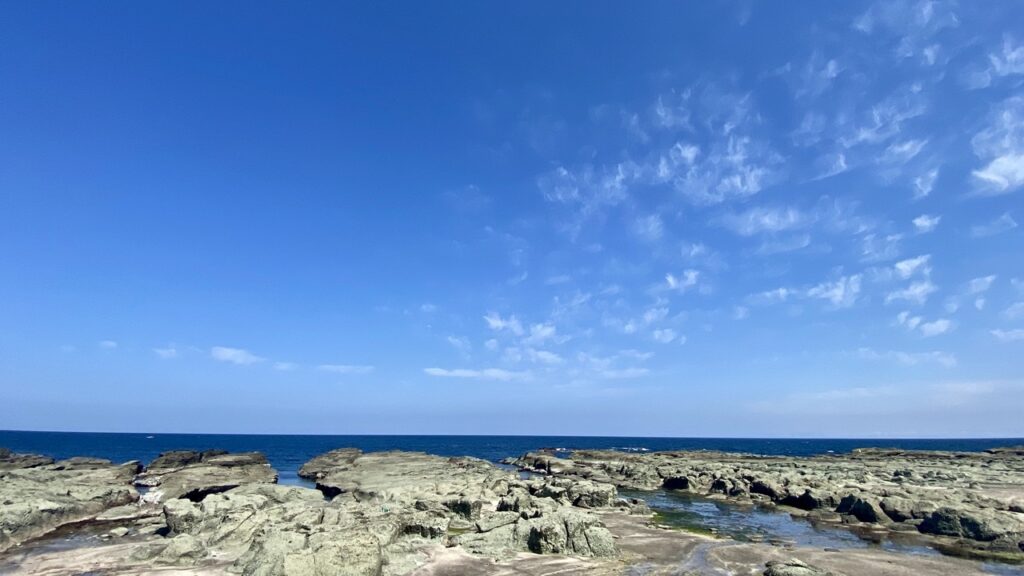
x,y
660,219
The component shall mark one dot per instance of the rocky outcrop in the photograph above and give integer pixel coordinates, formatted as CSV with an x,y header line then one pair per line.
x,y
378,509
975,498
195,475
10,460
40,497
181,458
398,513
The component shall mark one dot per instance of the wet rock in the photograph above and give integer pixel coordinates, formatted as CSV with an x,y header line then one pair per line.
x,y
794,568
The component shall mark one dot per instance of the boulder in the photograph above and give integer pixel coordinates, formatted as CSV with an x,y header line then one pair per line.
x,y
985,526
182,550
863,508
794,568
318,467
181,458
195,475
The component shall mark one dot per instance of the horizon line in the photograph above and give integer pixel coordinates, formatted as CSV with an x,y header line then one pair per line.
x,y
877,438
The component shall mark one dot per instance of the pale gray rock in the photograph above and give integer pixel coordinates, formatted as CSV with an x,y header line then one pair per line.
x,y
976,498
378,509
195,475
11,460
42,497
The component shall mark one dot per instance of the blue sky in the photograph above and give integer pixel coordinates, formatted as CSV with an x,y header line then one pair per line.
x,y
679,219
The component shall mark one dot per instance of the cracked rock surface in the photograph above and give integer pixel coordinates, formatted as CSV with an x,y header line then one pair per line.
x,y
971,502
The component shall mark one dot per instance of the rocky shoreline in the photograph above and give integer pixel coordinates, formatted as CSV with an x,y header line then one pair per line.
x,y
396,513
968,503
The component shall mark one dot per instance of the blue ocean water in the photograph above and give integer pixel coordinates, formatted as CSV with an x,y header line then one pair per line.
x,y
288,452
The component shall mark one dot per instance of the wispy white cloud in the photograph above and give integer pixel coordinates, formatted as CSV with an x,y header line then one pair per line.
x,y
1001,224
460,343
914,25
474,374
497,323
935,327
912,266
664,335
917,293
285,366
107,344
771,296
980,285
587,188
841,293
672,111
735,162
974,289
235,355
818,75
541,333
170,351
1014,311
682,283
649,228
782,245
925,328
655,314
902,152
909,358
763,219
1007,60
623,373
543,356
1011,59
926,223
924,183
879,248
886,119
1001,147
1014,335
345,368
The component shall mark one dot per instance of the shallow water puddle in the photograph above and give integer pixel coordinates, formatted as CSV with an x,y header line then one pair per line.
x,y
757,524
763,524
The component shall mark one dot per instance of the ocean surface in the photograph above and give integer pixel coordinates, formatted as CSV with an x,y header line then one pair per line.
x,y
288,452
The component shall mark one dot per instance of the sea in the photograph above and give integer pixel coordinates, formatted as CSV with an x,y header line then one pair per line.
x,y
288,452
